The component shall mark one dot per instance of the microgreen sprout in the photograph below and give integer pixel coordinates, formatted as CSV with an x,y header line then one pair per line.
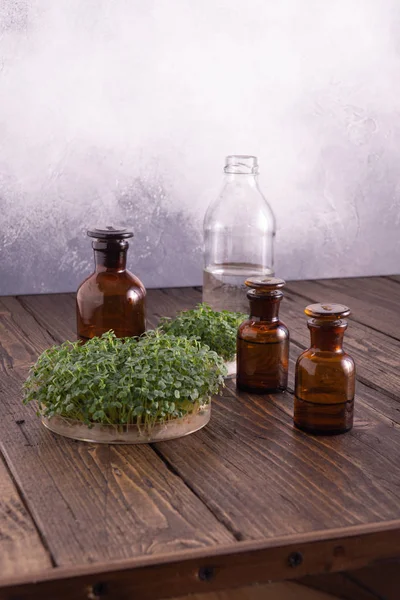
x,y
216,329
108,380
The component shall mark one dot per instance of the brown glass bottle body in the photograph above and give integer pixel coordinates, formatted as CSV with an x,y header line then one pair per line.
x,y
111,298
325,381
263,346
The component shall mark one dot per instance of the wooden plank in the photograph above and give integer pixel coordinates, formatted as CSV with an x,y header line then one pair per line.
x,y
376,417
385,352
55,313
380,433
368,399
341,585
21,550
17,349
96,503
292,314
167,302
382,580
360,475
262,477
223,568
376,355
270,591
91,502
373,300
170,303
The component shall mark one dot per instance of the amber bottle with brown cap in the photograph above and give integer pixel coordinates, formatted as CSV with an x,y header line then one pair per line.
x,y
110,298
263,340
325,374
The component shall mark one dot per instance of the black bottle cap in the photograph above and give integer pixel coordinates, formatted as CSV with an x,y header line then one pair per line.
x,y
328,311
109,233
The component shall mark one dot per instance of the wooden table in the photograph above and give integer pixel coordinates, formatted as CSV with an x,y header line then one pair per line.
x,y
247,499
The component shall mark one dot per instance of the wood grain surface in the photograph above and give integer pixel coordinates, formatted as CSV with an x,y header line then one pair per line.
x,y
194,571
373,300
91,502
272,591
248,476
21,549
380,582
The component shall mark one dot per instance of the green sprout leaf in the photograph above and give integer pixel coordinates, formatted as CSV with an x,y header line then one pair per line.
x,y
217,330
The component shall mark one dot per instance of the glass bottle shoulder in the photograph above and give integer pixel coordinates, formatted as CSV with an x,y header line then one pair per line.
x,y
310,359
263,332
112,283
239,205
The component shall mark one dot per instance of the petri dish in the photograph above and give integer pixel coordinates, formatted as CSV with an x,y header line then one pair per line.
x,y
129,434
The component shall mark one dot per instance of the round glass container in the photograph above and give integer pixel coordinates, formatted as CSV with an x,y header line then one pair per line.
x,y
129,434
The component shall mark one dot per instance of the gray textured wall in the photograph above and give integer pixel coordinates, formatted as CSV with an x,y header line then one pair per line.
x,y
122,111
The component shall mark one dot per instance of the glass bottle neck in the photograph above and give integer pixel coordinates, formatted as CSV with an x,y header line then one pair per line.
x,y
110,256
265,308
327,337
245,179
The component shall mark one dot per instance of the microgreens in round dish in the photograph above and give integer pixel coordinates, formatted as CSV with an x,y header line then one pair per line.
x,y
217,330
134,381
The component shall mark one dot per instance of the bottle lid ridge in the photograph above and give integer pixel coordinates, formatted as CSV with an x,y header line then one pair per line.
x,y
109,233
265,283
328,310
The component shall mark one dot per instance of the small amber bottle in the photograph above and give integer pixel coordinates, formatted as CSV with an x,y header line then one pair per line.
x,y
325,374
263,340
111,298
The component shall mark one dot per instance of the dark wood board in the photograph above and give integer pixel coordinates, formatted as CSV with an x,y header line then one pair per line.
x,y
55,313
90,502
21,549
373,300
163,303
248,478
377,582
260,476
222,568
377,356
258,521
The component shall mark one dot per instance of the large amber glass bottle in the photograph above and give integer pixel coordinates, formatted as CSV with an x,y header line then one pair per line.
x,y
263,340
110,298
325,374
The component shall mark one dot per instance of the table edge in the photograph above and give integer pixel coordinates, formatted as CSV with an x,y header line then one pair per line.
x,y
219,567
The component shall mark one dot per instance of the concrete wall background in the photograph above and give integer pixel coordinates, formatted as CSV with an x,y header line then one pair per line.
x,y
122,111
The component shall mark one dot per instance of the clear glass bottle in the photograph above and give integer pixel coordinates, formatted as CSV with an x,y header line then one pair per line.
x,y
110,298
263,340
325,374
239,229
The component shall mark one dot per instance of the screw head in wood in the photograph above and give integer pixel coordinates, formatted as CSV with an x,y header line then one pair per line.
x,y
206,573
98,590
295,559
